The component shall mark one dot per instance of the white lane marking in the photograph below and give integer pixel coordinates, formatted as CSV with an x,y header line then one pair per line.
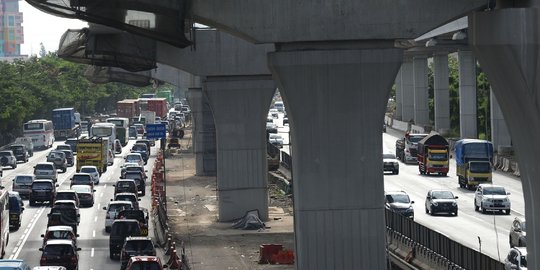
x,y
92,253
94,233
25,236
105,185
98,206
95,218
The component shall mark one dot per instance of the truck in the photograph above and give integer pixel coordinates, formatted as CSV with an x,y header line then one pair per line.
x,y
407,147
65,123
474,159
159,106
433,154
127,108
93,151
27,141
165,94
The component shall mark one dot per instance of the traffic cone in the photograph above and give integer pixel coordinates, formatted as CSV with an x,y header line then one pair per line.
x,y
174,261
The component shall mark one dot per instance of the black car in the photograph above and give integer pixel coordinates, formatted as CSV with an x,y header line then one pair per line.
x,y
73,143
441,201
63,215
399,202
20,152
15,211
139,180
70,160
147,142
142,149
42,191
120,229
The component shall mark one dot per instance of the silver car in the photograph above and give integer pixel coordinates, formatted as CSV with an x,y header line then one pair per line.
x,y
490,197
518,233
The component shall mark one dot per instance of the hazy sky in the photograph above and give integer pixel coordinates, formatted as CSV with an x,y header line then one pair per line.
x,y
40,27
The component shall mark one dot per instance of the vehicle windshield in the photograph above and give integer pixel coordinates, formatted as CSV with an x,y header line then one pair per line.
x,y
65,196
5,153
129,198
126,228
117,207
58,250
442,195
23,179
438,156
389,156
81,188
63,147
56,155
143,246
81,178
480,167
494,191
67,215
132,214
33,126
101,131
416,138
14,205
116,122
17,149
42,185
59,234
397,198
43,167
133,157
139,147
88,170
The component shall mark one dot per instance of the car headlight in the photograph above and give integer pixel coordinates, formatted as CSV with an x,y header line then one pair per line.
x,y
435,204
454,204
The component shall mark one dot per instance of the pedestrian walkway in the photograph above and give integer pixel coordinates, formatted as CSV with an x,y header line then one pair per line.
x,y
192,211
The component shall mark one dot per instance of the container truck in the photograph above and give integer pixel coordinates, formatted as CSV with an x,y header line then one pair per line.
x,y
473,162
407,147
65,123
127,108
433,154
159,106
93,151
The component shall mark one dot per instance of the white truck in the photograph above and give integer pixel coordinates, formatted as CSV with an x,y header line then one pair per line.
x,y
27,142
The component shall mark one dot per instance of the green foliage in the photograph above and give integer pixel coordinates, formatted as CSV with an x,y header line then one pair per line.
x,y
32,88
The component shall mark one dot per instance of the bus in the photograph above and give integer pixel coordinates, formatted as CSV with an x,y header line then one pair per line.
x,y
104,130
4,220
41,131
122,125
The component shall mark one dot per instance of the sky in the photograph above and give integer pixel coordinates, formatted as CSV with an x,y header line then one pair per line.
x,y
40,27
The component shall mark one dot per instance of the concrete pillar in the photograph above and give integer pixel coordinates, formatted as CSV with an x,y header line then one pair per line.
x,y
441,93
467,95
407,91
240,106
203,133
338,184
399,97
499,131
420,75
507,45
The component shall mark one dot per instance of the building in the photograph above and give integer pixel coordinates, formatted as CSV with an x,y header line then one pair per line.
x,y
11,30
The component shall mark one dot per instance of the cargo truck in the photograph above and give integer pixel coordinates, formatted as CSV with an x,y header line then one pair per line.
x,y
407,147
433,155
65,123
93,151
127,108
474,160
159,106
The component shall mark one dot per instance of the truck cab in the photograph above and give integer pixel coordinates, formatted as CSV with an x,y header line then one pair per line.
x,y
473,162
407,147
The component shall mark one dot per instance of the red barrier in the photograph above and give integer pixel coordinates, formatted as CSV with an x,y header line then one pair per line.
x,y
174,262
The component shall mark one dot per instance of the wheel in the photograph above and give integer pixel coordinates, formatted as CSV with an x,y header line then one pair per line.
x,y
508,212
432,212
475,206
456,213
108,230
63,170
427,211
143,192
483,209
14,166
510,242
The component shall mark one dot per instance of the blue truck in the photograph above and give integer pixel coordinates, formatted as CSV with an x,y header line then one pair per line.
x,y
65,123
474,159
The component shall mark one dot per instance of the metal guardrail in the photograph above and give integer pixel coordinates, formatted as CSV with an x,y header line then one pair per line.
x,y
286,161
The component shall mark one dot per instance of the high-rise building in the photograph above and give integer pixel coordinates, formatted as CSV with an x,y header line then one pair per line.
x,y
11,30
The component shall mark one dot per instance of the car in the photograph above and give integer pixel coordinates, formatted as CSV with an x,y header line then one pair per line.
x,y
518,233
390,163
136,246
142,149
145,262
516,259
149,144
70,160
112,211
120,230
132,132
139,180
72,142
140,129
399,202
117,147
49,268
22,183
64,147
271,128
63,215
69,204
125,185
140,215
68,194
16,208
439,200
46,170
490,197
285,120
135,157
60,253
59,232
14,265
85,194
133,168
43,190
273,113
58,158
126,165
82,179
20,152
92,171
275,139
129,197
7,158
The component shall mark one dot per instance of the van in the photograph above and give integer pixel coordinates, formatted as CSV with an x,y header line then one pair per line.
x,y
46,170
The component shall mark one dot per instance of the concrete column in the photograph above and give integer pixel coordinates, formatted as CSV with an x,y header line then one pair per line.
x,y
467,95
420,75
203,133
407,93
507,44
441,93
399,97
240,105
338,184
499,131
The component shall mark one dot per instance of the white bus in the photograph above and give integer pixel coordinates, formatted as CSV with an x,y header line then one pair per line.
x,y
4,220
104,130
122,125
41,131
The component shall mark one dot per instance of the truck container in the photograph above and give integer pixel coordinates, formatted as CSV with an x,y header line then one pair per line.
x,y
93,151
473,162
127,108
407,147
65,123
433,154
159,106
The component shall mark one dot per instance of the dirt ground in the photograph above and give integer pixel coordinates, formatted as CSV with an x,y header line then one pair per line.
x,y
192,211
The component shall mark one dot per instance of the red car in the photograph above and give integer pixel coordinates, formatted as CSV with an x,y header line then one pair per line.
x,y
145,263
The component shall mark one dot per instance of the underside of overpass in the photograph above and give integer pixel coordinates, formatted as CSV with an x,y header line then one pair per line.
x,y
334,62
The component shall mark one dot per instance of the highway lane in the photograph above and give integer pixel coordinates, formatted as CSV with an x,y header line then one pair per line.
x,y
93,240
491,228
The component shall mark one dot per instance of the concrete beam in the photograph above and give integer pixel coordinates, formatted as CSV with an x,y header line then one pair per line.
x,y
283,21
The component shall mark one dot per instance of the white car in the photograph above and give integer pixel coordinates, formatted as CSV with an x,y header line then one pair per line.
x,y
92,171
274,113
516,259
135,158
275,139
491,197
390,163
